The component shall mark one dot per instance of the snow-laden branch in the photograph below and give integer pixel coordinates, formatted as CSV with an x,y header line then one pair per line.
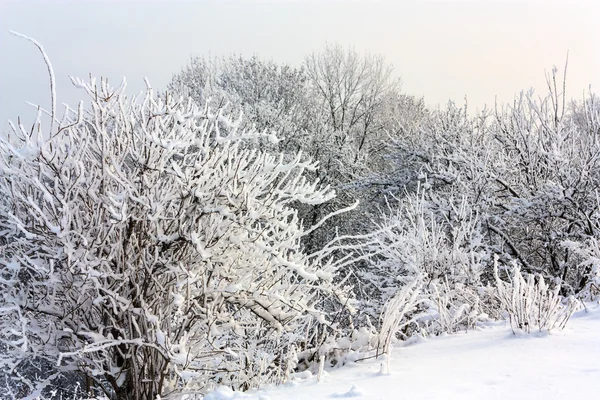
x,y
50,74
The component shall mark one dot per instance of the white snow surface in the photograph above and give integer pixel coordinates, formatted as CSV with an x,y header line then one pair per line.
x,y
490,363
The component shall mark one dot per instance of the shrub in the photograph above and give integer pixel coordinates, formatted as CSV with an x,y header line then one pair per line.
x,y
145,249
532,303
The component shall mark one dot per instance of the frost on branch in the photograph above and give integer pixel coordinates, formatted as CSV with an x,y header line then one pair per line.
x,y
146,249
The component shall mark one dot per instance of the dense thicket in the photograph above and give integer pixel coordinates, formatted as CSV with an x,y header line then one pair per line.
x,y
159,246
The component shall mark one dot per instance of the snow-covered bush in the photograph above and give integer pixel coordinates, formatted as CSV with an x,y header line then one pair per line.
x,y
436,241
531,302
145,251
529,170
547,175
451,309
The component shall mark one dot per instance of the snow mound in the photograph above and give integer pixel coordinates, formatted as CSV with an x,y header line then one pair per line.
x,y
355,391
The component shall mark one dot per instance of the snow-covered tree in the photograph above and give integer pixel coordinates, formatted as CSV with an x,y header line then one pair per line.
x,y
352,90
145,249
271,97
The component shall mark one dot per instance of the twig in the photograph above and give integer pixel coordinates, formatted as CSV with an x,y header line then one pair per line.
x,y
50,73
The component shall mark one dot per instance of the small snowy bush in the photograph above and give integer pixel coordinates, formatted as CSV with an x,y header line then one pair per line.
x,y
531,302
437,242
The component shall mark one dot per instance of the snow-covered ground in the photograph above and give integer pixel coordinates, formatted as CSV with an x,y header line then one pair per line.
x,y
491,363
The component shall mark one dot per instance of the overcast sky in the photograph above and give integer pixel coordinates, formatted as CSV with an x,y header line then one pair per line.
x,y
442,50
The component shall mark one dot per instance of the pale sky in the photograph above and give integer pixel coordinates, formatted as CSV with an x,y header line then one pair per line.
x,y
442,50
